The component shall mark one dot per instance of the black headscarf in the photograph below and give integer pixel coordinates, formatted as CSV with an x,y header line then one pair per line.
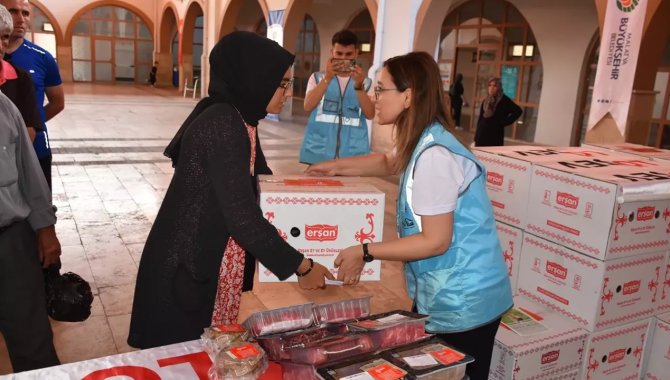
x,y
245,70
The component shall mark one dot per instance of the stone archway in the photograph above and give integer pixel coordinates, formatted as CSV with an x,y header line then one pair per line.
x,y
190,44
167,58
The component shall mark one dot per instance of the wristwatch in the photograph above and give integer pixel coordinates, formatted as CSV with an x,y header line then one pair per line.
x,y
367,257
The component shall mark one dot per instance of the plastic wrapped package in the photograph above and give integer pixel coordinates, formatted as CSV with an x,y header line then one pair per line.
x,y
280,320
295,371
431,359
217,338
393,328
242,361
343,347
341,311
277,345
367,367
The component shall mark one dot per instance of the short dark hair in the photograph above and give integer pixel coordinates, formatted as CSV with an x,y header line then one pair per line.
x,y
345,38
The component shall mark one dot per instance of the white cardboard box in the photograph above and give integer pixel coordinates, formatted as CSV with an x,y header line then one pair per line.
x,y
658,356
616,353
547,355
604,211
508,174
320,216
593,293
630,148
511,239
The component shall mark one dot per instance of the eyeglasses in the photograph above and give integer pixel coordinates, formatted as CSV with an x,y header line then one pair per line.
x,y
286,83
379,89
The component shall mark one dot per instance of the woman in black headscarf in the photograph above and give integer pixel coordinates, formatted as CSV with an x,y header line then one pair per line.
x,y
497,112
192,270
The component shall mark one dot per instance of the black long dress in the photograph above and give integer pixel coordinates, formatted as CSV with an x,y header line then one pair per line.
x,y
209,199
491,130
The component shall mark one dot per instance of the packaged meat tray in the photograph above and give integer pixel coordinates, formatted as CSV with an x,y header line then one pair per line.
x,y
342,311
372,367
342,347
393,328
246,361
295,371
277,345
280,320
217,338
430,359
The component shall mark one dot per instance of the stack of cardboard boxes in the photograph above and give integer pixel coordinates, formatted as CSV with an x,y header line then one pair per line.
x,y
595,228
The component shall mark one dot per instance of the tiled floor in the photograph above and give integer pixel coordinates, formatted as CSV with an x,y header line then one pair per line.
x,y
109,179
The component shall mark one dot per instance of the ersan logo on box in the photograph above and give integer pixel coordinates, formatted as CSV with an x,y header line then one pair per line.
x,y
321,232
550,357
631,287
567,200
494,178
616,355
646,213
556,270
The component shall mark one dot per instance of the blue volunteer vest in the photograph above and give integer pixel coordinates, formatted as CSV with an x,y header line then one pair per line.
x,y
467,286
337,126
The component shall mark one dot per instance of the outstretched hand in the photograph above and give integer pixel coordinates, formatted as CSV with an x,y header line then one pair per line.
x,y
325,168
350,263
315,279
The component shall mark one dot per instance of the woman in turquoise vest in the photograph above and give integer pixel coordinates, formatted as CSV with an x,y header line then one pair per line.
x,y
454,265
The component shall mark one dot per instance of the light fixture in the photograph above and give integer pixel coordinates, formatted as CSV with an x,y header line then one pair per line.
x,y
518,51
47,27
365,48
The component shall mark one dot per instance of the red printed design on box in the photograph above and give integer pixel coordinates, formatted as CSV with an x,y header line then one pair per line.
x,y
495,179
550,357
321,232
557,270
567,200
645,213
616,352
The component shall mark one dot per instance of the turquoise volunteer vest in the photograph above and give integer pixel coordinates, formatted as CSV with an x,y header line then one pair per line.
x,y
467,286
337,126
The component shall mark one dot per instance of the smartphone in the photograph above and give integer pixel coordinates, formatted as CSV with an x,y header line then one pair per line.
x,y
346,65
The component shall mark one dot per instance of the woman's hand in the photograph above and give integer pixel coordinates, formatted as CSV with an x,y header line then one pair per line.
x,y
315,279
351,264
326,168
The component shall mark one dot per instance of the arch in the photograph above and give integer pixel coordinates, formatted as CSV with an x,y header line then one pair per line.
x,y
167,26
194,10
230,14
101,3
52,19
585,89
294,15
429,21
365,58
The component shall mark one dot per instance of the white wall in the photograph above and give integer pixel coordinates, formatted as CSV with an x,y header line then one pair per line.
x,y
563,30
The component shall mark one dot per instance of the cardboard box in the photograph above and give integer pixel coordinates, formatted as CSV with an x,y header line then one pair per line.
x,y
509,171
664,304
636,149
603,208
511,239
593,293
546,355
658,355
320,216
616,353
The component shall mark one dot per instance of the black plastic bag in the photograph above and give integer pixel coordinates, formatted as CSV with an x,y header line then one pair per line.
x,y
69,296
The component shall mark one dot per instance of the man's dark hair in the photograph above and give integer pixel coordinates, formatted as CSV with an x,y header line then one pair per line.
x,y
345,38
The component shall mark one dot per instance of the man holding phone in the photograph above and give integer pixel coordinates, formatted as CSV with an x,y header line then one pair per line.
x,y
339,108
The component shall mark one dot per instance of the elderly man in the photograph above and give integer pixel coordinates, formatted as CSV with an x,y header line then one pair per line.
x,y
27,239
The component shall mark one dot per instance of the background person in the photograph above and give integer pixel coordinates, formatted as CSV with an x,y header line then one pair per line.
x,y
496,112
339,108
454,265
43,71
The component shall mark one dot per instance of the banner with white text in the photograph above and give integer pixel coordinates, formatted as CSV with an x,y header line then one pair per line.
x,y
619,48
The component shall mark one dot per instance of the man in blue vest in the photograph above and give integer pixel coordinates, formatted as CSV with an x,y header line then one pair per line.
x,y
44,72
339,108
